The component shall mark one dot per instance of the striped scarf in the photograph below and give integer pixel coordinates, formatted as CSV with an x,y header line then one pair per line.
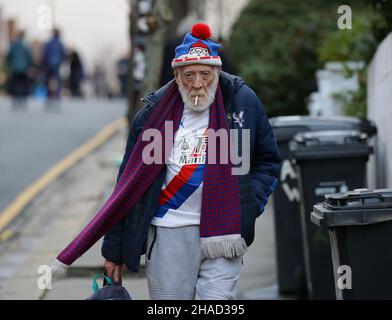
x,y
220,219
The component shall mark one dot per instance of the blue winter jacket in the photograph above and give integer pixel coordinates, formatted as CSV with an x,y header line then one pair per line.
x,y
54,55
126,241
19,57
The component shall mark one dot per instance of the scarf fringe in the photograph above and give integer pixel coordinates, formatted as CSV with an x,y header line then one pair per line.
x,y
224,247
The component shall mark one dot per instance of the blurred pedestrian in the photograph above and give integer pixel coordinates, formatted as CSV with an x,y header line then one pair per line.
x,y
122,74
99,82
76,74
19,62
54,55
38,86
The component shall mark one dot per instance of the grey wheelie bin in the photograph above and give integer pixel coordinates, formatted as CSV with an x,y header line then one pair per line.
x,y
360,231
326,162
288,238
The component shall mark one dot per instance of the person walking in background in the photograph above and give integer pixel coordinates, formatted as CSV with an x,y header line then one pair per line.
x,y
53,58
122,74
76,74
19,62
38,85
99,82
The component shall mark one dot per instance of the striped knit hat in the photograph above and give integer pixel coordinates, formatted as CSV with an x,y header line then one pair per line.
x,y
196,48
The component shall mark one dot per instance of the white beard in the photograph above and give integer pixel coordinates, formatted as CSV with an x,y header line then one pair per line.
x,y
209,99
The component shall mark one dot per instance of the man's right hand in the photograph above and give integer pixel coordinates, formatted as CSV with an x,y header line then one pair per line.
x,y
113,270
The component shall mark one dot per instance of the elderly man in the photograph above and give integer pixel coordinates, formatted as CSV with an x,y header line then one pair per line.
x,y
192,216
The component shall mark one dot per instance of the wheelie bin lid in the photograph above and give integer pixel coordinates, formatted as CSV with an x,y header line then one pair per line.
x,y
357,207
329,144
285,127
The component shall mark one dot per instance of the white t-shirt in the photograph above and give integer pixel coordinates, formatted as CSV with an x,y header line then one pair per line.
x,y
180,200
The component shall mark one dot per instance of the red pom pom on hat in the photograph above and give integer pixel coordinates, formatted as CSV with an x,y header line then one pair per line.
x,y
201,31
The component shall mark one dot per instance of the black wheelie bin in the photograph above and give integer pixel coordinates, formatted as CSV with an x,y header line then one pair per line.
x,y
288,238
326,162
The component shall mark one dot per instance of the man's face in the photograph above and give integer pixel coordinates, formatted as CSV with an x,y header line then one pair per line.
x,y
197,84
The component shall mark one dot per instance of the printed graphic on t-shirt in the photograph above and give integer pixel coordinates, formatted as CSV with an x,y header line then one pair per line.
x,y
195,154
191,158
180,199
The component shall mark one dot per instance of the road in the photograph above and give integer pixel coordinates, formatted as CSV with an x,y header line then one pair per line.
x,y
33,141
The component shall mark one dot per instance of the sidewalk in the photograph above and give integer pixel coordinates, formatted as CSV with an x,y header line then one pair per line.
x,y
59,213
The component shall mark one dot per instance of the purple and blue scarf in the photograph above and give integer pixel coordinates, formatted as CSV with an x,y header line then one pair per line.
x,y
220,219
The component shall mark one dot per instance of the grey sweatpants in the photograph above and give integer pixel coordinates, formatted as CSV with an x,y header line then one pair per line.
x,y
177,269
